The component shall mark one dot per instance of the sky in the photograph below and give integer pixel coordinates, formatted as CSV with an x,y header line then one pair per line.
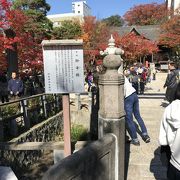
x,y
99,8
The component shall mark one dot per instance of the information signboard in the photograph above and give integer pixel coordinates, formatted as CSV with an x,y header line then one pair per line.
x,y
63,66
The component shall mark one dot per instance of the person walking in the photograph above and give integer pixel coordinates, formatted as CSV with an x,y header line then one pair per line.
x,y
143,78
4,88
171,82
131,106
134,78
15,86
170,135
89,80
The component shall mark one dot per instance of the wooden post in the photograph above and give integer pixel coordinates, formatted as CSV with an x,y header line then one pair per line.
x,y
67,125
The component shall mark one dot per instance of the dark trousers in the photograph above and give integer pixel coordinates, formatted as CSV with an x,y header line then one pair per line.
x,y
173,173
142,86
4,98
131,105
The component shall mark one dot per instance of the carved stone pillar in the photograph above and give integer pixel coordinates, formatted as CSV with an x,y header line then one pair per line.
x,y
111,114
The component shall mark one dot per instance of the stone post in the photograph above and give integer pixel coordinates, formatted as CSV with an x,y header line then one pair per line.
x,y
111,113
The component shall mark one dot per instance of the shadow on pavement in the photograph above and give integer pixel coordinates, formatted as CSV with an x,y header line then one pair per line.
x,y
127,156
158,165
94,114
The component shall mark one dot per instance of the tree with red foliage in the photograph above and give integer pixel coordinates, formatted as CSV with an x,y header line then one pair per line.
x,y
95,37
147,14
171,32
170,36
29,49
135,46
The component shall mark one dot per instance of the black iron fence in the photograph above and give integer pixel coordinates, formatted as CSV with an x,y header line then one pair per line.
x,y
20,115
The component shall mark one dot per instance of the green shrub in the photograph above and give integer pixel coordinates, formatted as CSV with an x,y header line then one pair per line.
x,y
78,133
34,102
49,98
9,110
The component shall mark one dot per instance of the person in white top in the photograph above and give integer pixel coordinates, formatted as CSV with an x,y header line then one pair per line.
x,y
131,106
170,135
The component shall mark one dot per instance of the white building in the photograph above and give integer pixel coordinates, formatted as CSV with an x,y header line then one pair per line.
x,y
173,4
80,9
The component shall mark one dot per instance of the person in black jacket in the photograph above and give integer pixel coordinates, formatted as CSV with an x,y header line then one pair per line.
x,y
171,82
4,88
15,86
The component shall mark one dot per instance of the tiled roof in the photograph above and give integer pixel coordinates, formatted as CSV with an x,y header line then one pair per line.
x,y
151,32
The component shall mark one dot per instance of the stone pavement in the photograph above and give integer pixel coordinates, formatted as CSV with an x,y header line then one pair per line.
x,y
144,161
156,86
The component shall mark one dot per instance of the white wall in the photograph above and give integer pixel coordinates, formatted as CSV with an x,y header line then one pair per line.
x,y
80,7
173,4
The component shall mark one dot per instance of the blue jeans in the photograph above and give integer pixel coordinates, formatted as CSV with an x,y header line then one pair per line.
x,y
131,106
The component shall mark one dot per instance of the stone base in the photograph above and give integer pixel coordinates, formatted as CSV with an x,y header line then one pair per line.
x,y
117,127
58,155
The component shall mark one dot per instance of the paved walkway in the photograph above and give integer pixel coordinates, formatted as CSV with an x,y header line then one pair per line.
x,y
156,86
144,160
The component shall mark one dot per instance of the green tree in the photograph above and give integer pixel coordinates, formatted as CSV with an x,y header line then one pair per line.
x,y
115,20
37,5
67,30
40,26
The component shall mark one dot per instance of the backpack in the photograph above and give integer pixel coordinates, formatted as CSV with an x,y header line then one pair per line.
x,y
174,79
177,77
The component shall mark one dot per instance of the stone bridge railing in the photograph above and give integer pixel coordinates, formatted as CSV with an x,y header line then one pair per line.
x,y
26,149
19,116
95,161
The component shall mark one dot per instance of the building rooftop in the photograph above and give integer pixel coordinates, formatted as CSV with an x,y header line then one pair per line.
x,y
63,15
151,32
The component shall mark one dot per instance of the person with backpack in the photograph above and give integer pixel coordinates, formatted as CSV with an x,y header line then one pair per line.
x,y
171,82
133,78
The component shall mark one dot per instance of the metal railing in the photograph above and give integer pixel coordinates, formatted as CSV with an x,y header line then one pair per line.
x,y
20,115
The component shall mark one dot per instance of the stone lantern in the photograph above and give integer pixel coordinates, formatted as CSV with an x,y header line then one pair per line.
x,y
111,113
